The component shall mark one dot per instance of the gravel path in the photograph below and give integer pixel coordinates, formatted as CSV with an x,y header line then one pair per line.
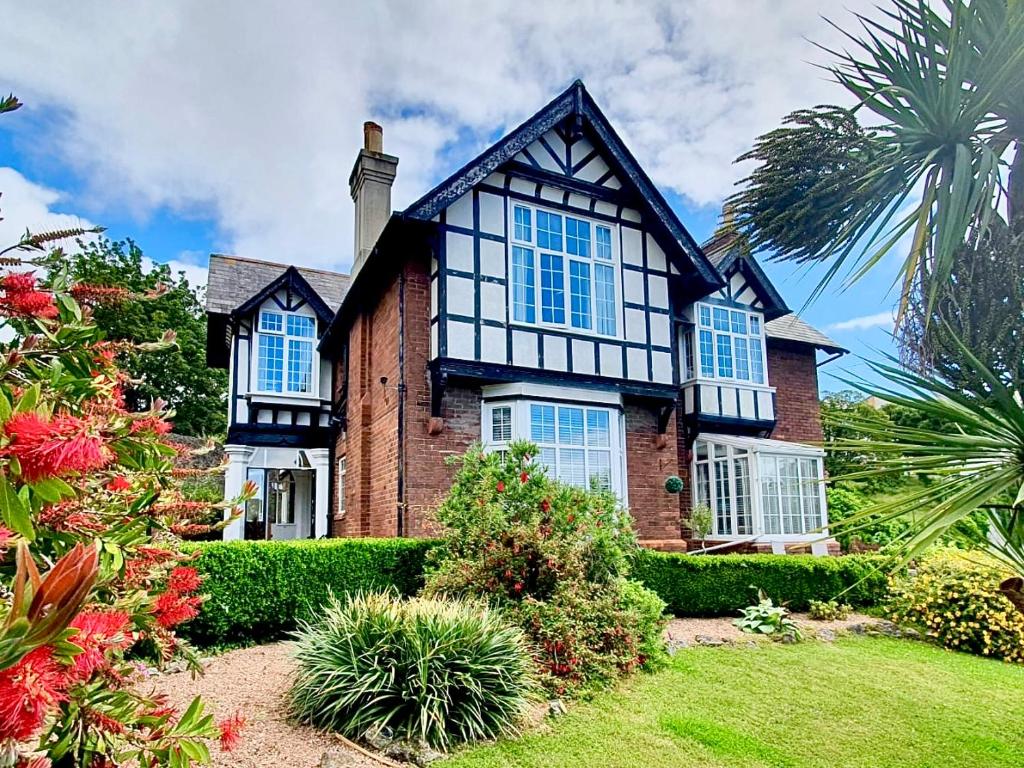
x,y
254,681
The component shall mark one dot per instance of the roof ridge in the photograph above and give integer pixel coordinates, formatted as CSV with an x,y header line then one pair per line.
x,y
279,264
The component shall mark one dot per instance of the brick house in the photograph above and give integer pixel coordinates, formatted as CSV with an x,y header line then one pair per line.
x,y
544,291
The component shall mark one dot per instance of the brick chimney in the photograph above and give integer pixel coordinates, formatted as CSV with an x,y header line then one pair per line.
x,y
370,184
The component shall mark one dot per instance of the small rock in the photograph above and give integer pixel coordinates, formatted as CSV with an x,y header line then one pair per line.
x,y
883,628
337,758
676,644
788,639
828,635
556,708
416,752
911,634
379,737
709,640
858,629
753,644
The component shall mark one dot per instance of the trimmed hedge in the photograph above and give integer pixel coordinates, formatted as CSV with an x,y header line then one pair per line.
x,y
258,590
717,585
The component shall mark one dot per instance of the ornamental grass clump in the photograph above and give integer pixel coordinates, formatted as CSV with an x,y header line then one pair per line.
x,y
433,671
953,597
554,559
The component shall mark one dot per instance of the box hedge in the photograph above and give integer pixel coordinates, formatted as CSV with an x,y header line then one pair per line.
x,y
718,585
257,590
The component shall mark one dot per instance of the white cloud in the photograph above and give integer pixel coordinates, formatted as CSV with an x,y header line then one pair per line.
x,y
864,322
25,205
251,111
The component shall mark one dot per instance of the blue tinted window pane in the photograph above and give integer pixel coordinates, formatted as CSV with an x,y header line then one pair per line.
x,y
549,230
705,316
721,319
271,321
756,362
755,325
600,469
742,367
707,355
552,288
739,322
604,243
579,294
604,298
598,432
523,228
724,348
542,423
299,325
570,426
300,366
572,468
577,237
270,363
523,285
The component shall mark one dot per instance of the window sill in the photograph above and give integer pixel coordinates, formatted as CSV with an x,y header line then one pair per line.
x,y
283,399
566,330
727,383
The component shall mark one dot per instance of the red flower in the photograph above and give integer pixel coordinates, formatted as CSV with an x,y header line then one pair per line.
x,y
231,731
28,691
153,424
545,505
97,632
22,298
501,486
523,477
183,579
99,294
60,446
38,761
119,483
6,537
172,609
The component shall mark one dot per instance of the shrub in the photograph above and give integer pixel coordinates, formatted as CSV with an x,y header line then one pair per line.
x,y
766,618
437,671
953,598
555,559
258,590
719,585
828,610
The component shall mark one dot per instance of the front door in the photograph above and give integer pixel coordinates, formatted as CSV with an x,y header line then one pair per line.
x,y
276,512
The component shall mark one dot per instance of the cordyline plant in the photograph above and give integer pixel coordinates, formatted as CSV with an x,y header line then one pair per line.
x,y
92,582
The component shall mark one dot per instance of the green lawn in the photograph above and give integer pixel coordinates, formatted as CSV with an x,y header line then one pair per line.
x,y
868,702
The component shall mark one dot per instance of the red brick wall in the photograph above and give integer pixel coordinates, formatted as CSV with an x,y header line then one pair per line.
x,y
655,510
794,374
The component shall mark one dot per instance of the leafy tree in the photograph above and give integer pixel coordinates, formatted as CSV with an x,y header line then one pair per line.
x,y
177,375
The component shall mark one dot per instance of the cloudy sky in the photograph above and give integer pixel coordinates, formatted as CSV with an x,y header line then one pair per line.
x,y
199,127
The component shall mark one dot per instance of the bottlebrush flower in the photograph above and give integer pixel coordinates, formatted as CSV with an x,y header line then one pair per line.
x,y
60,446
22,298
524,476
6,537
28,691
183,579
97,633
153,424
172,609
501,486
119,483
99,294
231,731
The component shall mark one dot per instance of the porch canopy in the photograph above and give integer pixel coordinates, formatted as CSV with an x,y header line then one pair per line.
x,y
759,488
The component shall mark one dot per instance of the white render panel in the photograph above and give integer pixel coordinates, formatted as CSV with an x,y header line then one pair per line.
x,y
593,170
555,356
492,258
459,251
655,256
765,405
633,286
708,399
492,214
524,349
657,291
433,341
612,182
522,186
632,247
688,400
611,361
495,180
636,325
605,208
302,419
660,334
583,356
736,281
265,417
577,200
748,297
460,340
460,213
661,364
729,402
460,295
433,297
284,417
581,149
551,193
747,403
631,215
492,301
492,344
636,364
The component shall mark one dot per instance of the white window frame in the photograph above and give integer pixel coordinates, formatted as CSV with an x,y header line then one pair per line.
x,y
592,261
692,356
340,484
756,450
519,409
257,332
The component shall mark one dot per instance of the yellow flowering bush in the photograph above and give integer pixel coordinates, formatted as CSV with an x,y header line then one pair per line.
x,y
953,597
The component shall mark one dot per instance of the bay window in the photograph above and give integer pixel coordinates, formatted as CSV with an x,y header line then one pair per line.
x,y
579,444
730,344
568,266
285,353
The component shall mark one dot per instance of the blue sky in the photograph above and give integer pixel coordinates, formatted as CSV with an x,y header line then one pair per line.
x,y
195,127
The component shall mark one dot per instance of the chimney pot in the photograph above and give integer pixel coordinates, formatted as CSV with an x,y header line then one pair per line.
x,y
373,137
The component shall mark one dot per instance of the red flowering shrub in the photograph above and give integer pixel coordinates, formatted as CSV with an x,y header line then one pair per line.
x,y
555,559
86,485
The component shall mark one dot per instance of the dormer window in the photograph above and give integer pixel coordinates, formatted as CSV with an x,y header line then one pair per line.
x,y
563,272
730,345
285,353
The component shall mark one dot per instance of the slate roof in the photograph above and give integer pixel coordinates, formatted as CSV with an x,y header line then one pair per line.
x,y
792,328
234,280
